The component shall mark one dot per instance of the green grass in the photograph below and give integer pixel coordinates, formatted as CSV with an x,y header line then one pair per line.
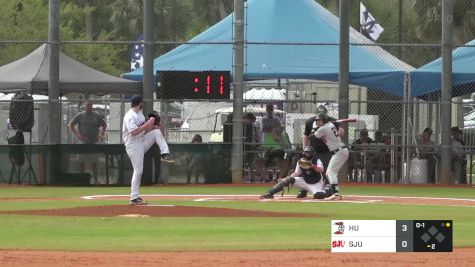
x,y
53,192
200,233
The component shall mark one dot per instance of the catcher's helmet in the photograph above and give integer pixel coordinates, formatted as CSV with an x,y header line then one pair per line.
x,y
308,152
321,109
309,149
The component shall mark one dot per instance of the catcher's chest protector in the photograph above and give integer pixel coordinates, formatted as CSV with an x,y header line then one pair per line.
x,y
311,176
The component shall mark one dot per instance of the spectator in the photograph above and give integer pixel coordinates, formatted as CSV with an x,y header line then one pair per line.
x,y
269,123
89,127
273,143
362,156
426,149
274,146
228,129
377,157
383,157
251,142
195,163
459,163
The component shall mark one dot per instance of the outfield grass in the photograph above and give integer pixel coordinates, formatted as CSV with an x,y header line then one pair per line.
x,y
194,234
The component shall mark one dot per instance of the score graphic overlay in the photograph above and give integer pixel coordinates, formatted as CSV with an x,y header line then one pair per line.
x,y
391,235
194,84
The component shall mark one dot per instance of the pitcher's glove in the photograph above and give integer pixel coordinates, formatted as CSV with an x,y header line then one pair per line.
x,y
305,164
156,116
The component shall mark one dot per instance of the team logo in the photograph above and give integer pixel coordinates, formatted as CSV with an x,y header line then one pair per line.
x,y
341,228
338,244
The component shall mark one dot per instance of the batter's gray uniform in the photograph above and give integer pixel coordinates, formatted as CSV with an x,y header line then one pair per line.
x,y
137,145
329,135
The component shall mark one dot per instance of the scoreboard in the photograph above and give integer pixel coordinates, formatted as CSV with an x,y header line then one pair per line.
x,y
391,235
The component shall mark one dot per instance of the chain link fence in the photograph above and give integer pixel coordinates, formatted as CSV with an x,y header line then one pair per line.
x,y
103,39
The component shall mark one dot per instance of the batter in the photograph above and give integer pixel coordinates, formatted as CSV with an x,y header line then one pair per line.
x,y
330,135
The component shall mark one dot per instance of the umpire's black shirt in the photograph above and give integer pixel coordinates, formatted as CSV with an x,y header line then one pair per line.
x,y
316,143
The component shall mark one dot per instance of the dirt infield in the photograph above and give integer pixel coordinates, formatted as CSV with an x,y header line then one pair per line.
x,y
460,257
158,211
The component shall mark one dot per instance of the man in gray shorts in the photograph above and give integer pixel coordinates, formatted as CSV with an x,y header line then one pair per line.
x,y
89,127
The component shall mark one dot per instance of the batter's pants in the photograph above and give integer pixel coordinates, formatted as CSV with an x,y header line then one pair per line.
x,y
336,162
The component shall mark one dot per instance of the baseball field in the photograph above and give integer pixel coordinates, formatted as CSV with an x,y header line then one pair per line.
x,y
217,225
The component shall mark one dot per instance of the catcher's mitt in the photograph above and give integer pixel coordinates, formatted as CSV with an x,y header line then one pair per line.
x,y
156,116
305,164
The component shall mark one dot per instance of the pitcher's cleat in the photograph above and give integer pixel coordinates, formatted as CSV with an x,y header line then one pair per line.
x,y
138,201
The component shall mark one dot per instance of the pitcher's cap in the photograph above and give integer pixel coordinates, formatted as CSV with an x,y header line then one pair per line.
x,y
136,99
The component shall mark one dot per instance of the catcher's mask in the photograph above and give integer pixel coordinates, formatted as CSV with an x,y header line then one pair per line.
x,y
308,152
322,109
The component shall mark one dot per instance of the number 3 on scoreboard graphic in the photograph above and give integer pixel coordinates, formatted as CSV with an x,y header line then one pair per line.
x,y
404,227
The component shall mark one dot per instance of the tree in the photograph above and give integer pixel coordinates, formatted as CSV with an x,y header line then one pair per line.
x,y
22,20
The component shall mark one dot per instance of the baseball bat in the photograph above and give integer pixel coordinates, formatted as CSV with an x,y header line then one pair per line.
x,y
345,120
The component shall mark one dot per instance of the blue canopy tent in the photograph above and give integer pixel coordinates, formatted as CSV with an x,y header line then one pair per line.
x,y
426,80
295,39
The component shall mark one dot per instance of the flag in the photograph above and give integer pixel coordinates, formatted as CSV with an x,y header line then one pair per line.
x,y
369,27
136,54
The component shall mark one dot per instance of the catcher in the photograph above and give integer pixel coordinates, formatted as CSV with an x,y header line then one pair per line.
x,y
307,176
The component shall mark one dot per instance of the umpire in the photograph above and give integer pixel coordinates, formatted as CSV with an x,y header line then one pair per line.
x,y
309,139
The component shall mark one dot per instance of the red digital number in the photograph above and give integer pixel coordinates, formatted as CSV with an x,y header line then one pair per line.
x,y
221,84
208,84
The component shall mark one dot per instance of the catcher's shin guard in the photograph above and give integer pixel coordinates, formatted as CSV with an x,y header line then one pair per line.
x,y
302,194
283,183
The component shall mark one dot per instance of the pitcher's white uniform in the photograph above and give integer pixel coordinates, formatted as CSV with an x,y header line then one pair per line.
x,y
329,135
137,145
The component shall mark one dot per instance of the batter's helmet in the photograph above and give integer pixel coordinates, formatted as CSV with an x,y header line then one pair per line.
x,y
323,116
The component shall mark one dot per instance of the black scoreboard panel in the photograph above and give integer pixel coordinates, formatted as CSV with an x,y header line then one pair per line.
x,y
213,85
392,236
